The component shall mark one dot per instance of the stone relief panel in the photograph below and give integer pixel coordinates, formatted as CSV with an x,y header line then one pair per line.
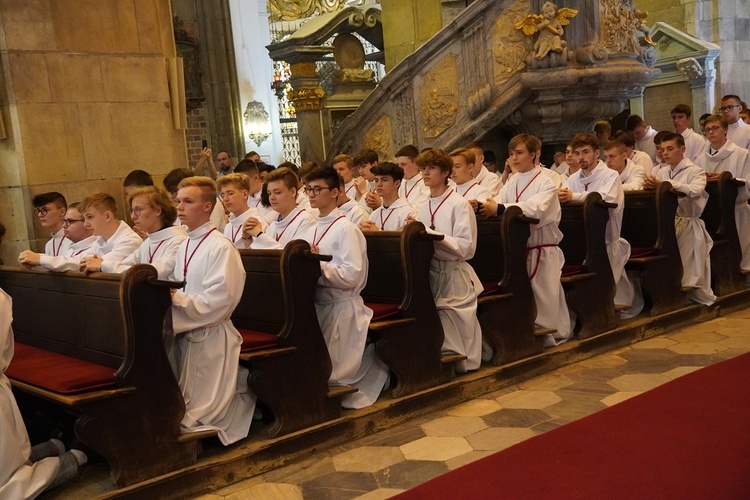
x,y
510,47
379,138
620,26
438,98
402,106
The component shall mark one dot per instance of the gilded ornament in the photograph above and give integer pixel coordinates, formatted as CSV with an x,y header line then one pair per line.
x,y
620,26
439,98
306,99
379,138
510,46
549,24
291,10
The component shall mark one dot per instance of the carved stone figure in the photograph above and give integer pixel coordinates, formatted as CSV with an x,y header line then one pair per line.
x,y
438,115
291,10
690,68
510,46
379,138
549,25
349,54
620,26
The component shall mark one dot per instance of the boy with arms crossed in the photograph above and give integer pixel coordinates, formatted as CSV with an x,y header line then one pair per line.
x,y
203,344
344,319
235,189
392,214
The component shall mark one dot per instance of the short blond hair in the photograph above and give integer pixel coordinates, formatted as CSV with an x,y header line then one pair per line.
x,y
206,185
344,158
466,154
100,201
239,180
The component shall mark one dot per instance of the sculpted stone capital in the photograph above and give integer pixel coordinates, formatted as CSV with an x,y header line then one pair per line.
x,y
306,99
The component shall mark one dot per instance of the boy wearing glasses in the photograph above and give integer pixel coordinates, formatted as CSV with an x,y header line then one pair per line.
x,y
455,285
81,240
50,208
344,319
738,130
116,240
392,214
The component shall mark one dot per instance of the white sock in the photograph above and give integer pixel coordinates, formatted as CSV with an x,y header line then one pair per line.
x,y
59,444
81,457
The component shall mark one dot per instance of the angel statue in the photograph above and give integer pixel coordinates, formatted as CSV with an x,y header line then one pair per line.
x,y
549,24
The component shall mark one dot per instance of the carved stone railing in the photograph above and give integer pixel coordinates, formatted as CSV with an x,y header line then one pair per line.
x,y
475,76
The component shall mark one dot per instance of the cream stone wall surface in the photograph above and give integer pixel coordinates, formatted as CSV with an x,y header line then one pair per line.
x,y
84,96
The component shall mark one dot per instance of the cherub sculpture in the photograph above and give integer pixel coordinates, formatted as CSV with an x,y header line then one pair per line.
x,y
549,24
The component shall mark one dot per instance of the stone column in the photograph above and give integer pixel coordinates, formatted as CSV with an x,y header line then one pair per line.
x,y
307,97
84,98
407,24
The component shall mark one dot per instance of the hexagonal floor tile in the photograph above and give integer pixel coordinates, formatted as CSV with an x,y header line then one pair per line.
x,y
340,485
654,343
508,417
619,397
680,371
499,438
548,382
368,459
269,491
530,400
697,348
736,342
454,426
735,331
467,458
435,448
638,382
696,337
409,473
603,361
474,408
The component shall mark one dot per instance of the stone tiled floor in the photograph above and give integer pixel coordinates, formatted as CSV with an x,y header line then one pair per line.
x,y
386,463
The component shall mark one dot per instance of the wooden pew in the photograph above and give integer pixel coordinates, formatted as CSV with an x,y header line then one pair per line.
x,y
507,309
726,254
94,345
587,275
648,225
405,326
283,345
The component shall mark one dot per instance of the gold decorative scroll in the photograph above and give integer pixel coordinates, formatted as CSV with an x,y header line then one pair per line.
x,y
291,10
306,99
438,98
509,46
379,138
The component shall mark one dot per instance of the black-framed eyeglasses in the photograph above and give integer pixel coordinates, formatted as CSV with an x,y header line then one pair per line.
x,y
316,190
70,222
727,108
715,128
41,211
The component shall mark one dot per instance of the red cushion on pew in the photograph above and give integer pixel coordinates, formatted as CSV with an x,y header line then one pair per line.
x,y
56,372
254,341
641,251
490,287
571,269
382,311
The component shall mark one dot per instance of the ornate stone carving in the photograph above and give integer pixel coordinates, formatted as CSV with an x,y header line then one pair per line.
x,y
350,56
620,26
690,68
402,105
291,10
306,99
509,46
438,97
549,24
379,138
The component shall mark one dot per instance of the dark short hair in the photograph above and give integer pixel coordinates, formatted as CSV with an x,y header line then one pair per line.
x,y
291,166
366,156
659,136
265,167
251,153
247,167
474,145
174,177
489,157
584,139
410,151
390,169
602,126
732,96
328,174
306,168
138,178
532,142
704,116
682,109
671,136
632,122
52,197
625,138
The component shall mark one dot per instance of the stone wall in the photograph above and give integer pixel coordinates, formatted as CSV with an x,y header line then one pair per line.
x,y
197,131
660,100
84,97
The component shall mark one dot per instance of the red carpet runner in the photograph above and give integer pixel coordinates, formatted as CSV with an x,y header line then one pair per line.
x,y
689,438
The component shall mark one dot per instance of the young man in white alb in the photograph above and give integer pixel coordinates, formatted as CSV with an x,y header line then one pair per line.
x,y
255,196
724,155
536,195
115,239
344,166
344,319
484,177
50,208
365,183
293,221
455,285
353,211
81,240
153,214
234,190
694,241
643,135
173,179
738,131
394,211
203,344
412,187
595,176
466,185
616,158
694,143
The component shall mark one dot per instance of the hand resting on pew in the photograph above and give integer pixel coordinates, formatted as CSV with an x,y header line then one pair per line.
x,y
28,259
564,195
651,182
368,225
91,264
711,176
